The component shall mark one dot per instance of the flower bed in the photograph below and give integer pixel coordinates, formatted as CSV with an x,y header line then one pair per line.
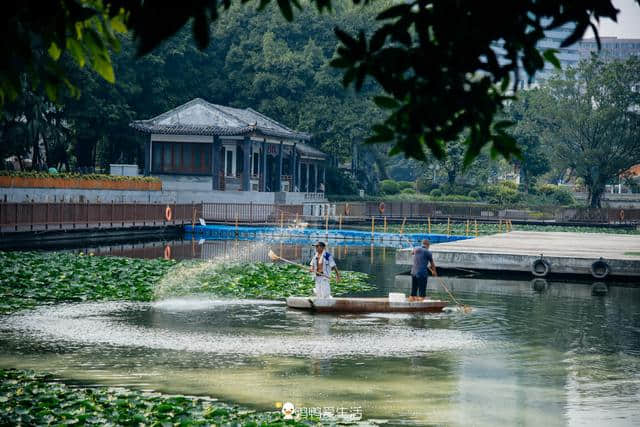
x,y
82,181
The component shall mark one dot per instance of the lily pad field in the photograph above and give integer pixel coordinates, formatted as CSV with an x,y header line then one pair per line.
x,y
29,279
29,398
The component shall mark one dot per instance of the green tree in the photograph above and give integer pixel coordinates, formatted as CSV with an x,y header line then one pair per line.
x,y
435,59
527,131
593,120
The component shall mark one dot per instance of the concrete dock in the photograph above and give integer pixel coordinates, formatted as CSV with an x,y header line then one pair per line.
x,y
562,253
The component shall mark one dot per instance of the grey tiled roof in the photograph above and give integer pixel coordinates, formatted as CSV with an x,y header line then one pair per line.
x,y
309,151
199,117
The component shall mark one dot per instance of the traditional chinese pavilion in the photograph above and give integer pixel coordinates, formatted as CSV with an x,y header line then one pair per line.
x,y
233,148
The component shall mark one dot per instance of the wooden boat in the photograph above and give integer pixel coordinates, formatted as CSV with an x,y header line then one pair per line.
x,y
364,305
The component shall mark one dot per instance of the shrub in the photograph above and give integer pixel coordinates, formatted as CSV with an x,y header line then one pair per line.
x,y
509,184
436,192
425,184
564,197
456,198
556,194
403,185
501,194
389,186
408,191
340,183
474,194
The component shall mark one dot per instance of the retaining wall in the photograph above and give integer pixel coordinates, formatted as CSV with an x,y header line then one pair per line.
x,y
54,195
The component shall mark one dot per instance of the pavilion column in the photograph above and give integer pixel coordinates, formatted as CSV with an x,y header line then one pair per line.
x,y
292,167
279,173
246,148
147,157
299,177
315,178
324,177
306,188
215,163
263,186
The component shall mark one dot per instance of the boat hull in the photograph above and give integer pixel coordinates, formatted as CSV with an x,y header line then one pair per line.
x,y
363,305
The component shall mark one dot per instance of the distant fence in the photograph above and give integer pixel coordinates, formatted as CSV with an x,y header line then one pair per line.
x,y
250,212
66,216
488,213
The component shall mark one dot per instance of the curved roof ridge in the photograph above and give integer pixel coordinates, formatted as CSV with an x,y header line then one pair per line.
x,y
218,120
269,119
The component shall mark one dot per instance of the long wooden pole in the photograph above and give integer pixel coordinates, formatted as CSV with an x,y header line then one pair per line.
x,y
429,224
373,226
326,223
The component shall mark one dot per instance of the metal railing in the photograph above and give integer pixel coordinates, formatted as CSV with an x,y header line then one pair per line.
x,y
416,210
66,216
250,212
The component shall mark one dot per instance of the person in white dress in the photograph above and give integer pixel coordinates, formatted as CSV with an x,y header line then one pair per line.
x,y
321,265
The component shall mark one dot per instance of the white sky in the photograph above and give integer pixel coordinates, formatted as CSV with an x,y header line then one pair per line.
x,y
628,25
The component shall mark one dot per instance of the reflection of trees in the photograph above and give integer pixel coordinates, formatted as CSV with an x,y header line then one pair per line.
x,y
554,339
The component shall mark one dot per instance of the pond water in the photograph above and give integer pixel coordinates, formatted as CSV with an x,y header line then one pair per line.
x,y
562,354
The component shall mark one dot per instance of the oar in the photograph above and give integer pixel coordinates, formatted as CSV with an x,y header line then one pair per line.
x,y
275,257
462,307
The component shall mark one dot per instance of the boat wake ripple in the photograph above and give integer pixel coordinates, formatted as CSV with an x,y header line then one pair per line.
x,y
106,324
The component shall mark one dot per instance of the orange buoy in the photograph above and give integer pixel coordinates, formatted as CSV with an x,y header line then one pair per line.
x,y
347,209
381,207
621,215
167,252
167,213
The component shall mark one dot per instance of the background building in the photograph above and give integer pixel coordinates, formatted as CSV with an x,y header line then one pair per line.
x,y
568,56
199,146
612,48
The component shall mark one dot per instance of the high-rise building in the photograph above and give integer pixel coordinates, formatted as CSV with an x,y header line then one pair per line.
x,y
612,48
568,56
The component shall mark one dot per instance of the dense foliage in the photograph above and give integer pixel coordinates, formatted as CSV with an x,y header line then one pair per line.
x,y
255,280
505,193
33,278
28,279
429,104
590,119
28,398
258,60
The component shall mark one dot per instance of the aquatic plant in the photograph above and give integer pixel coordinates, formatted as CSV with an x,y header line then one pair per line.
x,y
252,280
29,398
28,279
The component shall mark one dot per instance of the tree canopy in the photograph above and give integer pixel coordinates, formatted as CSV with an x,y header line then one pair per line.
x,y
589,118
434,59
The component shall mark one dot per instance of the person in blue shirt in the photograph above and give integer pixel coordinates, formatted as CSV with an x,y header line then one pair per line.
x,y
321,265
423,266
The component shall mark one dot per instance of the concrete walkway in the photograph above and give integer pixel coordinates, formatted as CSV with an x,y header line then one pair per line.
x,y
570,253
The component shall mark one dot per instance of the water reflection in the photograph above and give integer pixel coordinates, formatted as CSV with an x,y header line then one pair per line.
x,y
552,353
